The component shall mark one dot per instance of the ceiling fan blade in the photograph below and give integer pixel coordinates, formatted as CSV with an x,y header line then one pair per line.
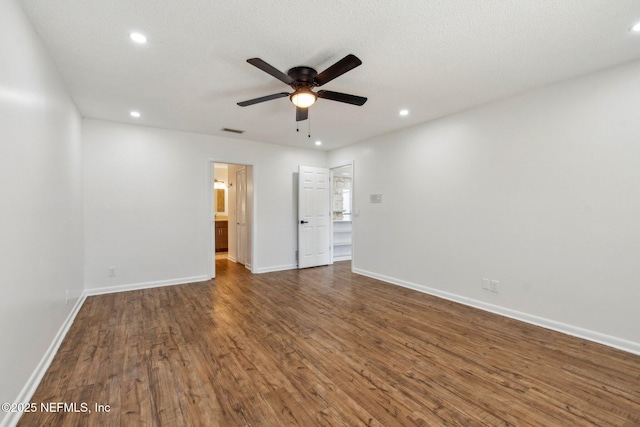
x,y
263,99
347,63
342,97
302,114
257,62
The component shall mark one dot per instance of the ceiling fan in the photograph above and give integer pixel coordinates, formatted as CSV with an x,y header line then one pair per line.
x,y
303,80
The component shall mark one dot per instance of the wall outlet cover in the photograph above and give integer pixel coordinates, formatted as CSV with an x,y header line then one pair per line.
x,y
495,286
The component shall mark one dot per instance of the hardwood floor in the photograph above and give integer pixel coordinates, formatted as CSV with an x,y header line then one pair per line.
x,y
324,347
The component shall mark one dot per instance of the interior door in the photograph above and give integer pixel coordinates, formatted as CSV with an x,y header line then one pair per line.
x,y
314,216
241,216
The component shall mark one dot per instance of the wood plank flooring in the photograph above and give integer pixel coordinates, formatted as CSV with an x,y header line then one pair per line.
x,y
325,347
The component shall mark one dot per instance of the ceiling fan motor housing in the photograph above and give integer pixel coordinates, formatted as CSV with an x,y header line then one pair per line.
x,y
302,76
303,96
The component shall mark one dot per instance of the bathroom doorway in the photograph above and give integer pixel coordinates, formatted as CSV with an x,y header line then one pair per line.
x,y
231,208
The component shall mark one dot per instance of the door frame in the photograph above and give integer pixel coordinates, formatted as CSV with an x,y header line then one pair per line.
x,y
252,226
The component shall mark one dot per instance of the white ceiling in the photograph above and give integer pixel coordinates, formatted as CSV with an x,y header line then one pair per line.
x,y
433,57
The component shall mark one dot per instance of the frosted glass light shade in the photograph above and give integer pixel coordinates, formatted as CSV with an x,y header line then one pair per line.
x,y
303,98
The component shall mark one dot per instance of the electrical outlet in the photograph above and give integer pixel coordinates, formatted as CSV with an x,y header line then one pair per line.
x,y
495,286
486,284
111,272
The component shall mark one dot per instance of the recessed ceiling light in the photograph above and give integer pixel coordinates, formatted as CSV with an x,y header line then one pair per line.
x,y
635,28
404,112
138,38
135,114
318,142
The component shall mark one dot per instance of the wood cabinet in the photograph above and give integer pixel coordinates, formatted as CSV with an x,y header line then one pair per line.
x,y
222,236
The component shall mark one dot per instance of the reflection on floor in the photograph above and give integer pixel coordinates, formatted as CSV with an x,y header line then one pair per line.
x,y
221,255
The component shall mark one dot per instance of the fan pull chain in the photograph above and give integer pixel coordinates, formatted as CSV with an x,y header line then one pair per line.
x,y
309,125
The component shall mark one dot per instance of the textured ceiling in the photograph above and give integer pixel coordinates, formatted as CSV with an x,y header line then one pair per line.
x,y
433,57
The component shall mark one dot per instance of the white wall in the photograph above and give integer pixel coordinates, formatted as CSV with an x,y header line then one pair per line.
x,y
540,191
146,207
40,202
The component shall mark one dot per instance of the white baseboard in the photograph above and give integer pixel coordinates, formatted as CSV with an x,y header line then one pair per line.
x,y
608,340
275,268
12,418
144,285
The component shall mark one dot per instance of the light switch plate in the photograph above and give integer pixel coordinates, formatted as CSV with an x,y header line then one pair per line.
x,y
375,198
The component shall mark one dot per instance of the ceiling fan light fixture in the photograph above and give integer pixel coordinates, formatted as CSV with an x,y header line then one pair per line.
x,y
303,98
302,80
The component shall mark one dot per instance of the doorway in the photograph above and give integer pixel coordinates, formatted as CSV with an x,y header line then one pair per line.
x,y
231,195
342,212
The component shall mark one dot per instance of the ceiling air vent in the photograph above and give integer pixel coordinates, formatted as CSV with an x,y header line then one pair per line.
x,y
232,130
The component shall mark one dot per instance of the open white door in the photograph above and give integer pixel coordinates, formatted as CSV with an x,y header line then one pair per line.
x,y
241,216
314,216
